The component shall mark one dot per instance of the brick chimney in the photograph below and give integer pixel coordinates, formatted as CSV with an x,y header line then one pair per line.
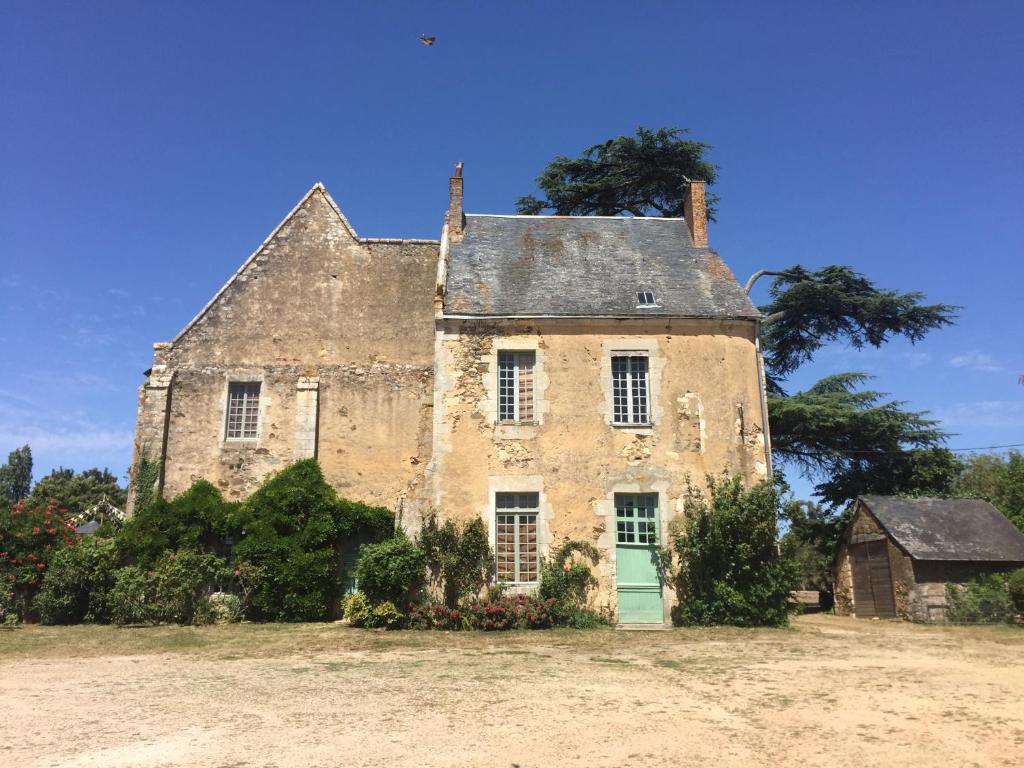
x,y
456,217
695,210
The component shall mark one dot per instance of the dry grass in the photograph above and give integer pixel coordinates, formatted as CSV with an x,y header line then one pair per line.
x,y
829,691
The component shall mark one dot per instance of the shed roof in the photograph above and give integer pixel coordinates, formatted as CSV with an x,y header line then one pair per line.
x,y
948,529
579,266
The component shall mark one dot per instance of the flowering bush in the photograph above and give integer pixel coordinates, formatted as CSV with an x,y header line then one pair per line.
x,y
29,537
510,612
431,615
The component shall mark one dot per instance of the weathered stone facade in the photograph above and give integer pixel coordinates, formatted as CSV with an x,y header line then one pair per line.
x,y
706,419
338,331
361,363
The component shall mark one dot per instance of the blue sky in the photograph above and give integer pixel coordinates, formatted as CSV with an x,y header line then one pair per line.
x,y
146,150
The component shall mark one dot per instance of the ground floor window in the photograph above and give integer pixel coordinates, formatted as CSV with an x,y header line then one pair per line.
x,y
636,518
515,536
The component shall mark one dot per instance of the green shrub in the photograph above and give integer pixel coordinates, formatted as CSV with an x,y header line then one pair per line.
x,y
182,584
567,581
730,569
225,608
197,520
386,615
984,600
1015,586
176,590
295,528
77,582
131,599
356,609
460,561
391,571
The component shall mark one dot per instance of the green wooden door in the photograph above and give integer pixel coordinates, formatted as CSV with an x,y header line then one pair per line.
x,y
636,558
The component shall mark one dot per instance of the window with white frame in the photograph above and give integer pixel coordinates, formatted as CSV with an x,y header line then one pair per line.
x,y
636,518
630,401
515,537
515,387
243,410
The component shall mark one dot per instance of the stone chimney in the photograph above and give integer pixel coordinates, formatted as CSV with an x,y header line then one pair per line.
x,y
694,209
456,217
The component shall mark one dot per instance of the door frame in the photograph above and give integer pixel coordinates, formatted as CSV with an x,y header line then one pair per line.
x,y
659,532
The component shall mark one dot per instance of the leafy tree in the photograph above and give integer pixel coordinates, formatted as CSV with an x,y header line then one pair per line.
x,y
644,175
730,568
16,475
809,542
853,441
78,491
997,480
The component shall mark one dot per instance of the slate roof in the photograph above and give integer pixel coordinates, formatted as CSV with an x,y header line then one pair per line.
x,y
587,266
948,529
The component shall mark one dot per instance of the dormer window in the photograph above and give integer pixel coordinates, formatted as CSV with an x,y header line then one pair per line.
x,y
645,298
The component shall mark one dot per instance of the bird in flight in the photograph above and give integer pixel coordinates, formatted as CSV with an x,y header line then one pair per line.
x,y
427,40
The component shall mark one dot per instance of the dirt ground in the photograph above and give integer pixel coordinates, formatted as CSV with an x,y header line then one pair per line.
x,y
829,692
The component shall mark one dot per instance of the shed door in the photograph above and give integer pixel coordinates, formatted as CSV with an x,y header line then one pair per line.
x,y
872,582
636,558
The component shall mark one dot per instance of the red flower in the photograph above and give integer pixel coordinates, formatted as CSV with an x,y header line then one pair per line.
x,y
35,531
40,566
51,531
171,556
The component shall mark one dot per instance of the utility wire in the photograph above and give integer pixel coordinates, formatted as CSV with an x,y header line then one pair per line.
x,y
839,451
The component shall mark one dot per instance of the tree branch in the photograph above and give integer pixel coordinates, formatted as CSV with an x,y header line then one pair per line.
x,y
757,276
773,317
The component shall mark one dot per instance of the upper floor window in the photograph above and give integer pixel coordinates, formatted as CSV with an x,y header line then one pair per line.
x,y
645,298
243,410
515,387
515,537
630,402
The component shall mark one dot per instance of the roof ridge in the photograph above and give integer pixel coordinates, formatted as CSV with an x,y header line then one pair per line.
x,y
559,216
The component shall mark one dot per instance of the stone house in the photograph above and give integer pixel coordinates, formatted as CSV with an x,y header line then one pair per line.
x,y
561,377
898,554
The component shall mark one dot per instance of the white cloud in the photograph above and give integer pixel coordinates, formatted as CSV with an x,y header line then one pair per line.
x,y
976,360
991,414
917,359
66,440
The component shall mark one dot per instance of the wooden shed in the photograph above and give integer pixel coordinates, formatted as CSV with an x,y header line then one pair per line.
x,y
898,554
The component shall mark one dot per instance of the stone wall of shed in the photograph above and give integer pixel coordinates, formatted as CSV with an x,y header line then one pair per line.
x,y
337,330
706,407
864,527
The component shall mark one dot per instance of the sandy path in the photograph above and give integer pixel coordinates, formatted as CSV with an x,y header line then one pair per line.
x,y
833,692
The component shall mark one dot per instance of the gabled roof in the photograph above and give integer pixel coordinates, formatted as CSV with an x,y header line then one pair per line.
x,y
948,529
317,188
579,266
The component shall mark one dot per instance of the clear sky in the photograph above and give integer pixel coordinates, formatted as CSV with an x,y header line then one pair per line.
x,y
146,149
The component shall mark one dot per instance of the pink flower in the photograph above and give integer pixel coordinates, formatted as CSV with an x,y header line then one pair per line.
x,y
171,556
238,572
